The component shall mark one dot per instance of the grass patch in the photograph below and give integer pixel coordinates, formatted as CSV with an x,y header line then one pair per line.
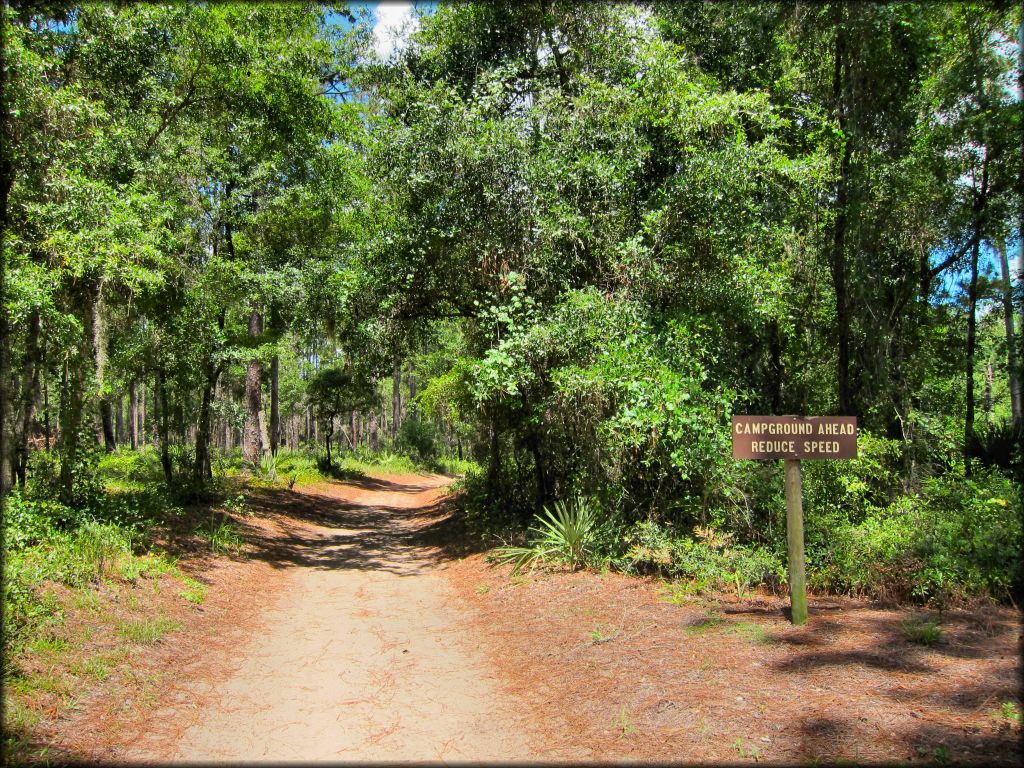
x,y
222,535
749,630
46,646
194,591
710,620
98,668
147,631
921,631
456,467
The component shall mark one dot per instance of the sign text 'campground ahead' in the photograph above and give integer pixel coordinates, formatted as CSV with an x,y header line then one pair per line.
x,y
794,437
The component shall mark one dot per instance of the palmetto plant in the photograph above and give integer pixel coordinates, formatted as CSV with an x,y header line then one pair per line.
x,y
564,535
268,467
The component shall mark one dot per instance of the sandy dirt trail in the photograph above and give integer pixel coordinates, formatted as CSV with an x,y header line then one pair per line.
x,y
360,656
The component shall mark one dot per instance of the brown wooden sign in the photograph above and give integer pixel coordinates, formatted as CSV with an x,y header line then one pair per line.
x,y
794,437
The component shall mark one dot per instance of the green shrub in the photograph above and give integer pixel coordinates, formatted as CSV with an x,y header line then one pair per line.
x,y
454,466
268,468
87,486
24,608
711,561
222,535
418,438
298,465
956,538
89,553
29,521
128,469
565,535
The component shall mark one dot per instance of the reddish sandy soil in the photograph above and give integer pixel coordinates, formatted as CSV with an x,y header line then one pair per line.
x,y
355,630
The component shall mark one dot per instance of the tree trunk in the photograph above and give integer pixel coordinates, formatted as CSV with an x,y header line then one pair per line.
x,y
68,415
494,457
533,444
99,351
329,433
202,469
410,409
275,416
980,201
1020,220
972,325
142,415
775,365
46,403
252,445
71,407
26,404
396,396
840,74
163,418
374,437
133,415
119,420
986,391
1012,365
6,179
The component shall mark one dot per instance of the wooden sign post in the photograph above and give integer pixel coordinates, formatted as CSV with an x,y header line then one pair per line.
x,y
792,438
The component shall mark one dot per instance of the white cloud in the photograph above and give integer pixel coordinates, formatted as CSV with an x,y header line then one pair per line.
x,y
395,21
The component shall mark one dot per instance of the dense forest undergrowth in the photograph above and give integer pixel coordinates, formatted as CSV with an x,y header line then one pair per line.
x,y
550,247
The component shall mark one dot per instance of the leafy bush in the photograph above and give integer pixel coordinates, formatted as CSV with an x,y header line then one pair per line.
x,y
297,465
129,469
708,562
30,521
87,484
955,538
418,438
24,609
921,631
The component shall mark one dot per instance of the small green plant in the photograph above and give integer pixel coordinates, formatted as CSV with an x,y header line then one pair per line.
x,y
194,591
746,750
482,589
236,505
922,631
1009,712
147,631
97,668
740,584
96,550
564,535
268,468
625,725
598,636
221,534
676,592
938,753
